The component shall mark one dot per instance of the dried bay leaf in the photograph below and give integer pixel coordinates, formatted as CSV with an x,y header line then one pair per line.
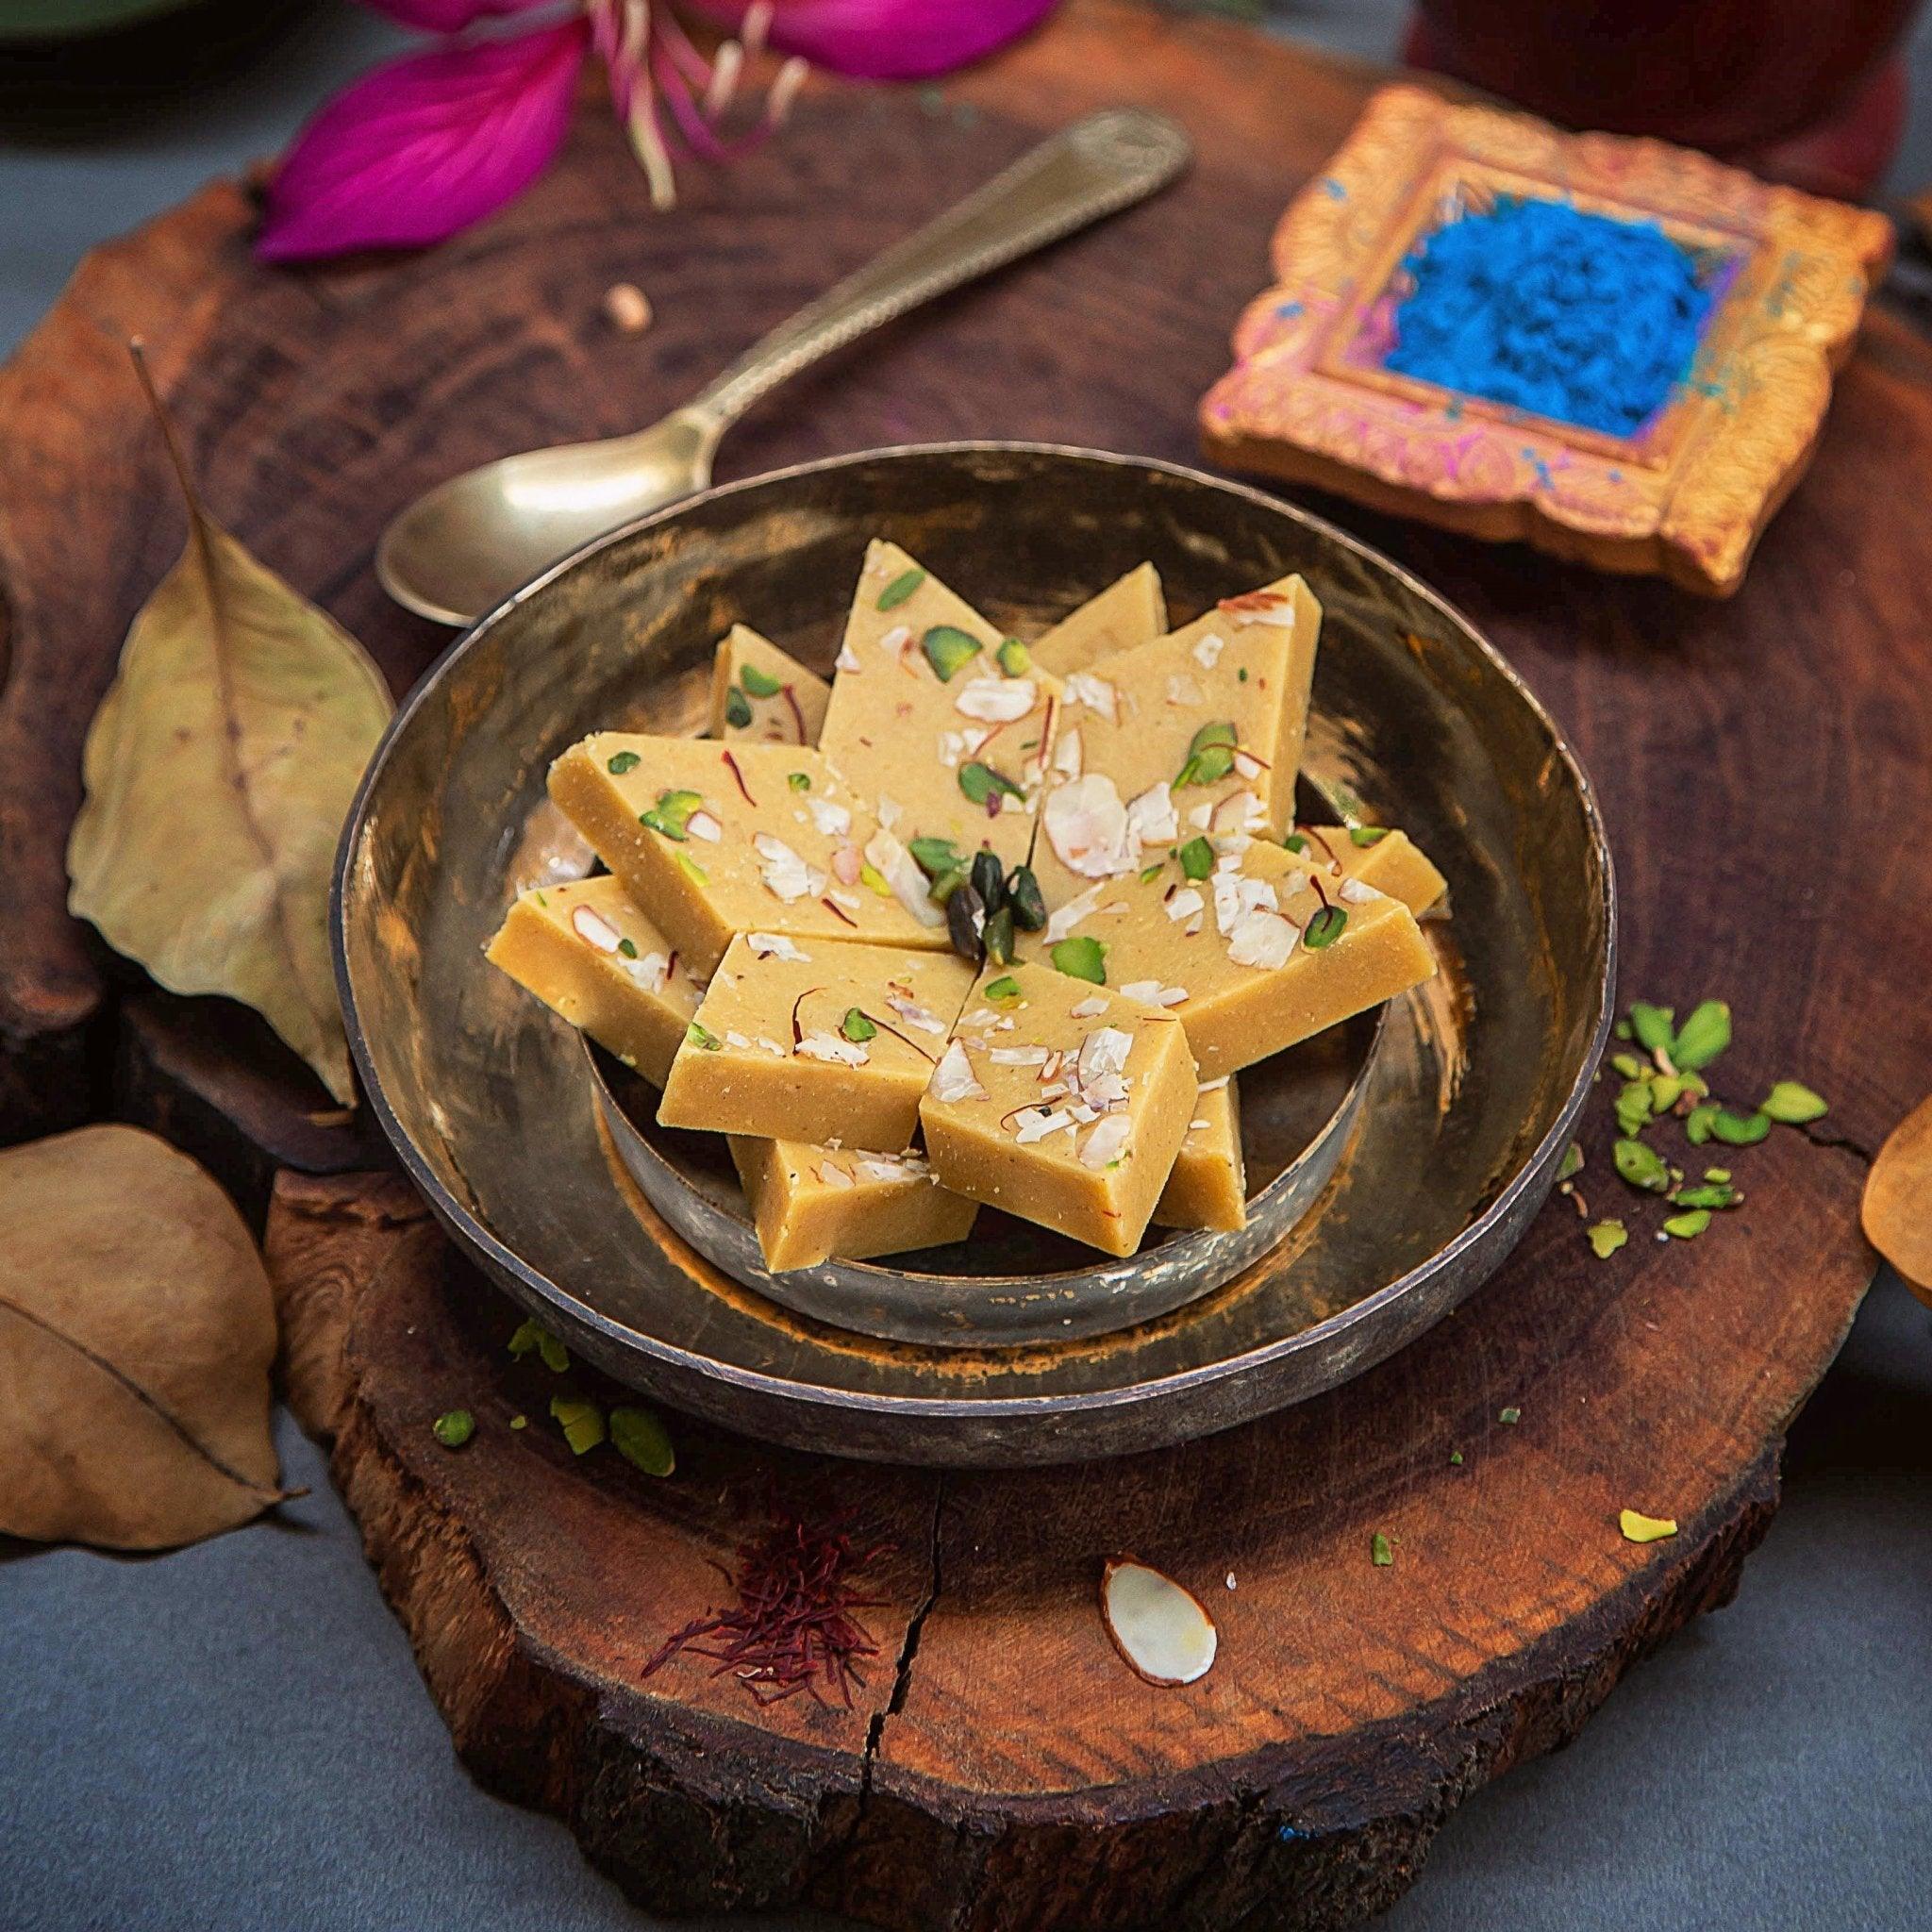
x,y
219,770
137,1332
1897,1209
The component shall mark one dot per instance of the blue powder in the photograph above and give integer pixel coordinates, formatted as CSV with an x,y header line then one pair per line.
x,y
1537,305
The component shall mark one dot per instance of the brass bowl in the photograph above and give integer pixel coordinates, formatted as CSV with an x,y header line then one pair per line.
x,y
1467,1105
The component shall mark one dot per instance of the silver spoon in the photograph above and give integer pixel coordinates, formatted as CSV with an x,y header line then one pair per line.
x,y
463,547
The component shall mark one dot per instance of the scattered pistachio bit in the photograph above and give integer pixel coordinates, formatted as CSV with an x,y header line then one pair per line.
x,y
1380,1554
997,937
454,1427
1641,1165
1793,1104
988,881
901,588
1652,1024
1572,1163
1367,834
1638,1528
628,948
737,708
1509,1415
519,1422
703,1038
621,761
935,857
1295,842
966,924
942,890
1456,1458
1687,1227
1325,928
1717,1195
1699,1121
582,1421
1665,1092
1150,873
1701,1037
1629,1066
1016,660
642,1439
979,782
1081,958
857,1027
1605,1238
1623,1030
759,684
1241,673
948,650
1717,1173
671,813
692,870
533,1335
875,880
799,781
1025,899
1739,1129
1003,988
1196,858
1633,1107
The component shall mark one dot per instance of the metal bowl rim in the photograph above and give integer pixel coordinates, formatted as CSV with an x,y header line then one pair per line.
x,y
503,1261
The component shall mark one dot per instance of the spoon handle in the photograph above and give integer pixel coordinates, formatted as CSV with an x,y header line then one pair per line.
x,y
1097,167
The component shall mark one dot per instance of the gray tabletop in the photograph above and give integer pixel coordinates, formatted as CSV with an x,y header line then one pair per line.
x,y
235,1735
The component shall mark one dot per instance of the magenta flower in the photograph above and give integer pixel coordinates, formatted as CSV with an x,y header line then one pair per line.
x,y
422,148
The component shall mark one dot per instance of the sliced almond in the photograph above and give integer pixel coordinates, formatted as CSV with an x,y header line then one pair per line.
x,y
1160,1629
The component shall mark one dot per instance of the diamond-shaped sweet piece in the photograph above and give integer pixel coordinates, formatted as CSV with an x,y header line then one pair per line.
x,y
762,695
816,1040
939,724
1060,1102
1388,860
1129,611
1208,1187
586,951
1251,949
715,839
809,1203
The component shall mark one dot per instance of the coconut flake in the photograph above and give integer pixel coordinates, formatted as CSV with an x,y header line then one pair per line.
x,y
901,872
1087,825
996,700
702,824
1104,1054
894,641
1018,1056
1096,693
1240,812
1199,815
1063,919
1208,650
1089,1008
1236,895
651,972
594,930
1107,1142
913,1014
954,1078
1067,753
774,945
1182,690
1036,1123
765,1043
833,1175
786,876
847,659
829,818
1185,904
1151,817
1160,1629
832,1048
1262,939
1150,992
1357,892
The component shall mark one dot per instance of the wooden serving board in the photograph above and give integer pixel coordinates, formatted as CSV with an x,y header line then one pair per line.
x,y
1766,770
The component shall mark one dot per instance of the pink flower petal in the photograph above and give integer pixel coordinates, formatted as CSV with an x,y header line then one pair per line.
x,y
447,16
890,40
421,148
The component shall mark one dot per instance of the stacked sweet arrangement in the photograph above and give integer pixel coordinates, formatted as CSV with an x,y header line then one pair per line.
x,y
980,923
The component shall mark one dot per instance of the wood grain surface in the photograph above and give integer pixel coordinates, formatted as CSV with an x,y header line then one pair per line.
x,y
1766,770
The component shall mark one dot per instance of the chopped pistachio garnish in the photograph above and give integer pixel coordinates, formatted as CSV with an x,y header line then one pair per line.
x,y
799,781
1717,1173
1210,757
901,588
949,650
1739,1129
997,937
621,761
1687,1227
1714,1195
1572,1163
1081,958
454,1427
1003,988
1605,1238
1150,873
671,813
1456,1458
873,880
692,870
1793,1104
582,1421
1509,1415
1699,1121
1641,1165
642,1439
1367,834
703,1038
979,782
1016,660
1623,1030
1633,1107
628,948
1196,858
1638,1528
759,684
1325,928
1701,1037
936,857
533,1335
857,1026
737,708
1380,1554
1629,1066
519,1422
1028,901
1295,842
1652,1024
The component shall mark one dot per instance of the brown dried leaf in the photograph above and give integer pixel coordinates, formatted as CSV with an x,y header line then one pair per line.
x,y
1898,1200
219,770
137,1331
